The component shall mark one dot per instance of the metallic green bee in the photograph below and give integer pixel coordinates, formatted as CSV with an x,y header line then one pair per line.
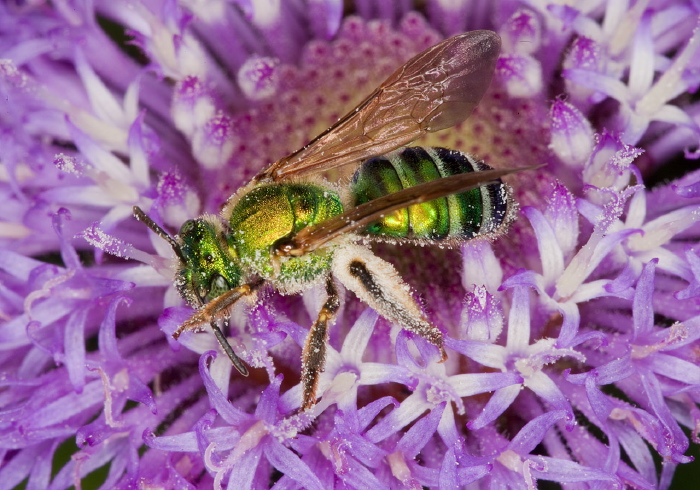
x,y
290,228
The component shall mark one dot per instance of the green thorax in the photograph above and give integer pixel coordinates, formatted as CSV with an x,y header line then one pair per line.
x,y
269,213
462,216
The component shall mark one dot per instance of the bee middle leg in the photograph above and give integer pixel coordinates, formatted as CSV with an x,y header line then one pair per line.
x,y
314,353
377,283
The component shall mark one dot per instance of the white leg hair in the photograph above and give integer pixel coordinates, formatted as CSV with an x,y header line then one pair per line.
x,y
377,283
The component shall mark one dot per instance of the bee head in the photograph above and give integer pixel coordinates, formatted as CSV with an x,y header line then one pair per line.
x,y
208,267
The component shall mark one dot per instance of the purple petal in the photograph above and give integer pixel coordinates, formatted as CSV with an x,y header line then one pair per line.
x,y
521,33
519,320
675,368
480,266
63,408
107,336
642,67
570,324
611,372
75,348
610,163
358,476
418,436
325,17
474,473
138,147
367,413
218,401
693,289
448,470
493,356
520,74
622,285
16,469
688,191
546,389
243,473
214,143
481,319
358,337
587,259
373,373
526,278
193,105
289,464
181,442
560,470
497,404
585,54
472,384
608,85
409,410
551,255
403,354
563,217
572,135
675,443
643,310
258,77
534,431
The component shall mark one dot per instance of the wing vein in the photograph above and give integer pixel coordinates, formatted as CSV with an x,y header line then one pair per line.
x,y
434,90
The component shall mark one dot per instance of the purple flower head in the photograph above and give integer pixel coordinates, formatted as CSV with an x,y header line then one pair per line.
x,y
571,338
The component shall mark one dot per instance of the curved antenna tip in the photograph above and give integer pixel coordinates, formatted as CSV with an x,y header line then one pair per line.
x,y
146,220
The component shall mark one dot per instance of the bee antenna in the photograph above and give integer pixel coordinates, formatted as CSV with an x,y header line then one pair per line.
x,y
143,218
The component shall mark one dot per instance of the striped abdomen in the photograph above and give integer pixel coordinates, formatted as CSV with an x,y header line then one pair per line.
x,y
459,216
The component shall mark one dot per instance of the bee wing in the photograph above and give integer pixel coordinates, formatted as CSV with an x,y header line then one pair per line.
x,y
435,90
315,236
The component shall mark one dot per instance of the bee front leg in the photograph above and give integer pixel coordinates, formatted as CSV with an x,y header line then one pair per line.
x,y
223,342
314,354
377,283
215,311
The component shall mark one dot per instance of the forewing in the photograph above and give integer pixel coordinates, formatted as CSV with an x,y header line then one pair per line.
x,y
436,89
315,236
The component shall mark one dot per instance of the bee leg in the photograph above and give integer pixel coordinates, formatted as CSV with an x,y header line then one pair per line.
x,y
216,310
377,283
314,354
223,342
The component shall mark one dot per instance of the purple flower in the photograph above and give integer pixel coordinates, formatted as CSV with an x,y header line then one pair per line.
x,y
572,339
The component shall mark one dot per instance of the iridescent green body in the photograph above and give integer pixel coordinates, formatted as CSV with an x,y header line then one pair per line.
x,y
458,216
270,213
217,257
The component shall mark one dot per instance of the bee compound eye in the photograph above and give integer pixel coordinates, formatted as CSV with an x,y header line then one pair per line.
x,y
187,227
219,283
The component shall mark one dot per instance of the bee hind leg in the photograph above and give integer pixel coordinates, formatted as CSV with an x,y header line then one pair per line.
x,y
313,357
215,311
377,283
